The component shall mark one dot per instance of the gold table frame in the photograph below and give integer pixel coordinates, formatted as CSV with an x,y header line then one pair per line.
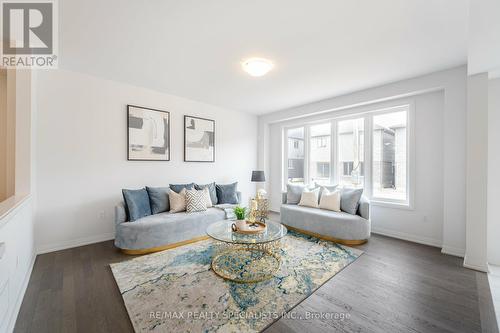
x,y
249,262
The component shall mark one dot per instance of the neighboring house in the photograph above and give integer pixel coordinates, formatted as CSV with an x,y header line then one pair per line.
x,y
389,156
296,155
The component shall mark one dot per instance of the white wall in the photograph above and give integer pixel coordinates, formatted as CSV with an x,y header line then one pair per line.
x,y
493,174
477,172
448,205
82,163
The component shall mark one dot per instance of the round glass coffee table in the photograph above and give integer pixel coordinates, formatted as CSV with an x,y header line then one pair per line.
x,y
246,258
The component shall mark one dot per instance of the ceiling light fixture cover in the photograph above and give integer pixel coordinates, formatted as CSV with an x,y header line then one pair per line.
x,y
257,66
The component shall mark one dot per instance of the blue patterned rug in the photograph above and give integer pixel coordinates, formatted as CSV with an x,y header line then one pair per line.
x,y
176,290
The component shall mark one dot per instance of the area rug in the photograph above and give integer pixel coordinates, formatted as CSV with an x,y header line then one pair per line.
x,y
176,290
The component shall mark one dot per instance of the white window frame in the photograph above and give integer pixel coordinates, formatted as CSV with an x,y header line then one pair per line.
x,y
410,158
367,112
307,160
285,153
335,122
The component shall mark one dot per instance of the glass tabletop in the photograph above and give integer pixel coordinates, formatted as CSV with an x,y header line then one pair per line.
x,y
222,231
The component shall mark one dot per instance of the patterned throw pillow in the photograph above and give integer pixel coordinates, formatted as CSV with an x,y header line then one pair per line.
x,y
211,189
196,201
177,201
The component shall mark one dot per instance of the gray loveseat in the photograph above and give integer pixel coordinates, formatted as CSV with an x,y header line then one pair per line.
x,y
165,230
339,227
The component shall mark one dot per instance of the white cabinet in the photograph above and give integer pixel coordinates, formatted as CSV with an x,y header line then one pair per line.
x,y
16,257
4,278
4,303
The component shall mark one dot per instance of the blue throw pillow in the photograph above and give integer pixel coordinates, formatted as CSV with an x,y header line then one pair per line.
x,y
137,202
177,188
293,193
158,199
330,188
227,194
211,190
349,200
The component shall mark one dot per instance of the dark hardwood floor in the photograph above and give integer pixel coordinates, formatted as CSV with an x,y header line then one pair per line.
x,y
395,286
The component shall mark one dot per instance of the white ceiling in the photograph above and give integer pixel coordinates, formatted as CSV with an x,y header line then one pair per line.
x,y
320,49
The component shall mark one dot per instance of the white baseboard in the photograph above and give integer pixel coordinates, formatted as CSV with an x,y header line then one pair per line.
x,y
453,251
20,296
407,237
75,243
475,267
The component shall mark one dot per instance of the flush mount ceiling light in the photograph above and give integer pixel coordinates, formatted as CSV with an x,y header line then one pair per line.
x,y
257,66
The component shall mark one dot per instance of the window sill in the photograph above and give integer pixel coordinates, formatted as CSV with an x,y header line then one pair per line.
x,y
390,204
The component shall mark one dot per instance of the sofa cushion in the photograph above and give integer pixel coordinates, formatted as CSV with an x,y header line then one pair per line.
x,y
330,188
211,189
196,201
330,200
349,200
294,193
227,194
158,199
177,201
137,202
165,228
339,225
177,188
309,198
206,195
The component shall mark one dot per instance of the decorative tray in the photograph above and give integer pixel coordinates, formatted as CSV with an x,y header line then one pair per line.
x,y
250,228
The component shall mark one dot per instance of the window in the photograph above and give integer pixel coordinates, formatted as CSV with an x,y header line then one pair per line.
x,y
295,155
320,141
320,153
323,170
369,150
350,139
347,168
389,169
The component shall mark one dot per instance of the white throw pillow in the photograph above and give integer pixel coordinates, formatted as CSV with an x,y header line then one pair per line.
x,y
330,200
206,193
196,201
177,201
309,198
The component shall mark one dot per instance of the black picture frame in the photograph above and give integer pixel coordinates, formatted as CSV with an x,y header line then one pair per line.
x,y
186,159
129,158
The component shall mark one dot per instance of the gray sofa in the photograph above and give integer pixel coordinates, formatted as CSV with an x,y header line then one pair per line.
x,y
165,230
340,227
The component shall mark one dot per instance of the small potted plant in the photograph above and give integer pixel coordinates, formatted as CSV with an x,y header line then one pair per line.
x,y
240,212
240,216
